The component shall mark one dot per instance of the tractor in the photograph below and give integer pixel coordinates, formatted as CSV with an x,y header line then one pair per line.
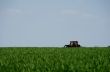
x,y
73,44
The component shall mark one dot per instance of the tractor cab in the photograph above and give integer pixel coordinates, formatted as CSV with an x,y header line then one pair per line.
x,y
73,44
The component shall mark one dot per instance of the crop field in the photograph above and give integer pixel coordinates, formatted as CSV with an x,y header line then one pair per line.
x,y
33,59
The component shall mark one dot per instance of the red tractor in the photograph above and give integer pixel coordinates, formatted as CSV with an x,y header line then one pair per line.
x,y
73,44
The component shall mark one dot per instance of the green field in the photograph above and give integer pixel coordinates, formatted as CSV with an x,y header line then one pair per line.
x,y
54,59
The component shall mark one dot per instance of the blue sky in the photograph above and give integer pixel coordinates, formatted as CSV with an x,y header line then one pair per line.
x,y
54,22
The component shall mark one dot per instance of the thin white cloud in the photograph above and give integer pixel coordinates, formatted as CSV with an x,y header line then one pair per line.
x,y
10,11
87,14
69,12
75,13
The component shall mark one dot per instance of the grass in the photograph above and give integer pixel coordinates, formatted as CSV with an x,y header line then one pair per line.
x,y
54,59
